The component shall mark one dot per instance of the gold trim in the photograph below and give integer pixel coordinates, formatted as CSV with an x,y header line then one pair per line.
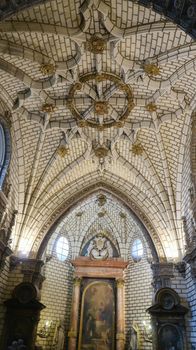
x,y
101,106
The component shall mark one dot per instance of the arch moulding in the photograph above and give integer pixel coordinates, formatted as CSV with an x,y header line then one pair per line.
x,y
75,200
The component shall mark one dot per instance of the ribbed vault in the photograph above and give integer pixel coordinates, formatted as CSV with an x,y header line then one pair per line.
x,y
97,95
180,12
87,197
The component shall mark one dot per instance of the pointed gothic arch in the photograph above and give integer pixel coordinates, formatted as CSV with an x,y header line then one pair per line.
x,y
150,235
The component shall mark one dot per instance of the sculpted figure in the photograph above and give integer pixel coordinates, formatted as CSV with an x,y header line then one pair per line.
x,y
133,342
59,336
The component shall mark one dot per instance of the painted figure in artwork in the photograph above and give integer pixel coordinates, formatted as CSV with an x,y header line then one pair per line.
x,y
97,318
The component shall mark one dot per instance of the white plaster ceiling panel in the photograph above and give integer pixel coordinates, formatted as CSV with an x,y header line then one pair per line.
x,y
172,142
130,14
149,141
64,13
30,135
43,47
10,85
147,45
50,144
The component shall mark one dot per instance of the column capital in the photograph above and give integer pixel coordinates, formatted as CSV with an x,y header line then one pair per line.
x,y
77,281
72,334
120,282
120,336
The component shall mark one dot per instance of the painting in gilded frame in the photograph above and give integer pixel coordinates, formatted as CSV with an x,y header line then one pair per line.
x,y
97,319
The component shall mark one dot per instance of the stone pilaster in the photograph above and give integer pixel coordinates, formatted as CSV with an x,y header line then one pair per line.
x,y
162,274
7,220
5,251
191,260
73,333
120,326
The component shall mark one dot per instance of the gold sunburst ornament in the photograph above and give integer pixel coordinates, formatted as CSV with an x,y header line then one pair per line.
x,y
101,200
101,214
101,107
48,108
47,69
63,151
151,69
96,44
137,149
82,123
151,107
101,152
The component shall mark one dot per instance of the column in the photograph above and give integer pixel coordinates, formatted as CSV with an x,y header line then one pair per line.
x,y
120,326
74,314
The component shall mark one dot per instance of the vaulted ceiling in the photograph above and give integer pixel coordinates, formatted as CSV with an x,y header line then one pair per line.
x,y
100,95
101,214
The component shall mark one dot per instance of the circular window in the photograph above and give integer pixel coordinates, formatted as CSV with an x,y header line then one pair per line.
x,y
62,248
137,250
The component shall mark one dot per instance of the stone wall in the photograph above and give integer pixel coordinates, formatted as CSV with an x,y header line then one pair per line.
x,y
138,297
191,297
57,297
3,293
8,280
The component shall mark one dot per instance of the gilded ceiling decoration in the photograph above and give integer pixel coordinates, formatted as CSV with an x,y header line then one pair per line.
x,y
99,91
111,100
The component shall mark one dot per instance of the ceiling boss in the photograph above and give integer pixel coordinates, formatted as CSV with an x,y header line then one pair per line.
x,y
108,99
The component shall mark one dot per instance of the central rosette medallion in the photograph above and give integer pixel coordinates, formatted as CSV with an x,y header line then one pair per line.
x,y
100,100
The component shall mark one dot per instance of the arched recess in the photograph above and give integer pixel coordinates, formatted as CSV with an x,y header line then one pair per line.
x,y
181,12
150,233
5,149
